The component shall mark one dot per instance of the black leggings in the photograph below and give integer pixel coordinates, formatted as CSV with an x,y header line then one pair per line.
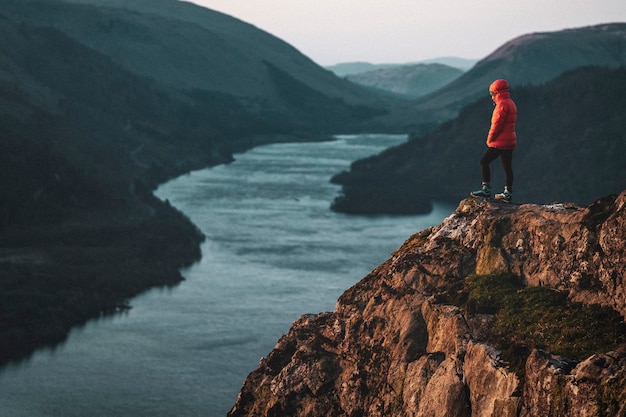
x,y
506,157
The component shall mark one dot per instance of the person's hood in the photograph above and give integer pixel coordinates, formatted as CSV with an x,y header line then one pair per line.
x,y
498,86
499,90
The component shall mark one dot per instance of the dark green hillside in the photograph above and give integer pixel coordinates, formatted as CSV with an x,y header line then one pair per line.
x,y
310,107
73,122
571,147
79,230
184,47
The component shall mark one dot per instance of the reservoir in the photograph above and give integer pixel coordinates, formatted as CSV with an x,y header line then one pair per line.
x,y
273,252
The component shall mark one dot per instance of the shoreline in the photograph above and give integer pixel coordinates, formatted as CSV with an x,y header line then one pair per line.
x,y
60,276
76,279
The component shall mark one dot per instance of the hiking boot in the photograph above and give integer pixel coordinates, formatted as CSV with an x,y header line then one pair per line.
x,y
485,191
506,195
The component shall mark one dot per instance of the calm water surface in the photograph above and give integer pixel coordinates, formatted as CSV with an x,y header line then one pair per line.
x,y
274,251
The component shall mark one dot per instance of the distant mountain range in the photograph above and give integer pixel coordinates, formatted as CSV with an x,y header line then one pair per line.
x,y
353,68
530,59
407,81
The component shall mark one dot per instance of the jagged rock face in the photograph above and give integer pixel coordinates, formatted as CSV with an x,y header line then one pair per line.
x,y
553,389
391,348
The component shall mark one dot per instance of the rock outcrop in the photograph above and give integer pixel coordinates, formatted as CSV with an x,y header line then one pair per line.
x,y
475,317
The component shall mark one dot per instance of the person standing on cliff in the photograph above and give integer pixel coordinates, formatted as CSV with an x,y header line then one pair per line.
x,y
501,141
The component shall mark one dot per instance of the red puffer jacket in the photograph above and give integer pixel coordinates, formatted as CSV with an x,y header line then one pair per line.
x,y
502,131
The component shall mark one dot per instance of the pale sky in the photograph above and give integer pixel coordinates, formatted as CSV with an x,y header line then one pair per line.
x,y
399,31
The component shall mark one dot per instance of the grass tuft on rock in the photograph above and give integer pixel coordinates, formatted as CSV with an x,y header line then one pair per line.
x,y
543,318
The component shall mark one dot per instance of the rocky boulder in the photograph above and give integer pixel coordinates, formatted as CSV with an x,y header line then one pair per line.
x,y
502,310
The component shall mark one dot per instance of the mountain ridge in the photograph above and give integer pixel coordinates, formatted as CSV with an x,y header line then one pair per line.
x,y
408,81
353,68
226,53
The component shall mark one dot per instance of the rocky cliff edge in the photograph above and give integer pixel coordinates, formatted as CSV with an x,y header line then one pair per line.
x,y
502,310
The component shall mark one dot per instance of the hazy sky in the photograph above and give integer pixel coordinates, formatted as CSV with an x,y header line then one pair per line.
x,y
381,31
